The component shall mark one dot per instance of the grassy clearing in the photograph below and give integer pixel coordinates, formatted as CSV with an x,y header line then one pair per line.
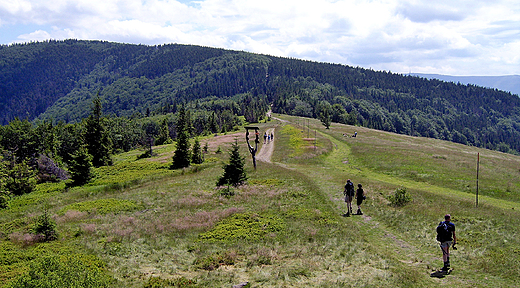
x,y
147,226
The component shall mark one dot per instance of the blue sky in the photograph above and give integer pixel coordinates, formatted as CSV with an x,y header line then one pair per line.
x,y
477,37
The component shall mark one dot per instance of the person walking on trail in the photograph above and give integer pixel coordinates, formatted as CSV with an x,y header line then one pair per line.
x,y
265,137
360,196
349,194
272,137
446,236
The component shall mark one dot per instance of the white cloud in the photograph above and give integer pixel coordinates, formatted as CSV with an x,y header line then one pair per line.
x,y
461,38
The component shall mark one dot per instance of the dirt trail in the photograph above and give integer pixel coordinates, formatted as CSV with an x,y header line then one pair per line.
x,y
266,151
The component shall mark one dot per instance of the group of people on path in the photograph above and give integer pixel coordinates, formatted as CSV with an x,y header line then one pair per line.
x,y
445,230
350,193
268,137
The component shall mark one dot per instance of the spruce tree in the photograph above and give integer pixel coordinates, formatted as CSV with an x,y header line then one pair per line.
x,y
98,142
234,173
80,167
181,158
196,153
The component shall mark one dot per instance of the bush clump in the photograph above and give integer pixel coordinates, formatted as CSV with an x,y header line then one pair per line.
x,y
101,206
181,282
400,197
244,227
215,260
64,271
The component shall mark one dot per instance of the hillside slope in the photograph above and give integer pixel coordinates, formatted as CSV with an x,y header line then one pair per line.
x,y
56,80
153,226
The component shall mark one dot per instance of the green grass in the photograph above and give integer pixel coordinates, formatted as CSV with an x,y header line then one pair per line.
x,y
147,226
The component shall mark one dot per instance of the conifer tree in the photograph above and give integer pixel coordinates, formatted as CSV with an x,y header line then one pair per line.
x,y
234,173
97,139
181,158
196,153
80,167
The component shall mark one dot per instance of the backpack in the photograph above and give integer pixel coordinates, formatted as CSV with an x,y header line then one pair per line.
x,y
349,187
443,233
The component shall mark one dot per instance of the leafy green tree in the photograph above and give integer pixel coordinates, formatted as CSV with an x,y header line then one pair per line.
x,y
351,118
98,142
164,133
4,193
151,131
182,155
20,178
80,167
49,140
234,172
196,153
20,139
70,137
325,115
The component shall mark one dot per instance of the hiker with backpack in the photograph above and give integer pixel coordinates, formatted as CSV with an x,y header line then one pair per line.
x,y
446,237
349,194
360,196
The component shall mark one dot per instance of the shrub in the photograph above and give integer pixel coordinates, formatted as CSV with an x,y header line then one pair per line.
x,y
48,171
181,282
4,199
65,271
400,197
213,261
243,226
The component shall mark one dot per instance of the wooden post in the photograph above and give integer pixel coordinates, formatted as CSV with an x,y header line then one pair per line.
x,y
257,140
478,166
315,140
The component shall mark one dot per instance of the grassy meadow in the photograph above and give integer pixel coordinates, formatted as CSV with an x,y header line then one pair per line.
x,y
140,224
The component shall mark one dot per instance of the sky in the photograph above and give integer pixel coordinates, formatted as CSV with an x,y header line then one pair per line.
x,y
460,38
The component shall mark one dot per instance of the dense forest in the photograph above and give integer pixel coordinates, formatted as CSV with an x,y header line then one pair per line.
x,y
56,81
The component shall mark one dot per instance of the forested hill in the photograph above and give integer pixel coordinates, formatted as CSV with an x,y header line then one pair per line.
x,y
57,80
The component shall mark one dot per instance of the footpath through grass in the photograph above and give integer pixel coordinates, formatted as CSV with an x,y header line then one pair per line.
x,y
486,234
140,224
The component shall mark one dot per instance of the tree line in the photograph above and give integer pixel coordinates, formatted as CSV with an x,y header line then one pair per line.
x,y
43,151
60,78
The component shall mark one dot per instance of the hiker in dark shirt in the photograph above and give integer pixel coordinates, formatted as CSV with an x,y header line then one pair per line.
x,y
446,236
349,194
360,196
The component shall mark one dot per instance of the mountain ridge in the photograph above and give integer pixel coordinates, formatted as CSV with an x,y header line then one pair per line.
x,y
57,80
508,83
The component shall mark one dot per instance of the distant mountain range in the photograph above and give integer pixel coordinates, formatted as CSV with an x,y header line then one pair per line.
x,y
508,83
57,81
